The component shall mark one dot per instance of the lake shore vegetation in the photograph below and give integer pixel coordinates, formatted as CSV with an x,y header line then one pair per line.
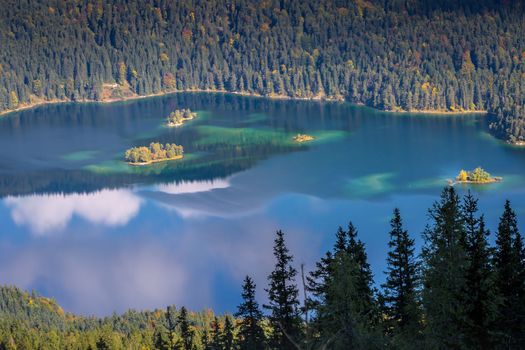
x,y
476,176
154,153
179,116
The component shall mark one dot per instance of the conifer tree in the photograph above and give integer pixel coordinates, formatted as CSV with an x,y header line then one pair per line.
x,y
510,284
343,300
357,252
251,335
283,302
186,333
400,288
227,334
445,273
479,295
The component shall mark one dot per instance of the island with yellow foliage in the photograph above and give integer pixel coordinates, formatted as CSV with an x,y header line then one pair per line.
x,y
476,176
303,138
179,117
155,153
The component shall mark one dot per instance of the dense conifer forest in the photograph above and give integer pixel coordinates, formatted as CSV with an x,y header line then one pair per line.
x,y
458,292
391,54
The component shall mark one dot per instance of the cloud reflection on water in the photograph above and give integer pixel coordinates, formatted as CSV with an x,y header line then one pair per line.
x,y
52,212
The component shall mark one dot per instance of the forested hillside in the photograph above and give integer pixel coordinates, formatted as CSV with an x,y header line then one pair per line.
x,y
458,292
391,54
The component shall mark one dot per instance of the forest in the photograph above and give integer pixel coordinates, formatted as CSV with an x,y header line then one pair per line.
x,y
460,291
395,55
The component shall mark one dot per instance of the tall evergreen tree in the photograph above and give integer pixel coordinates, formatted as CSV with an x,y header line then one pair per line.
x,y
227,334
445,273
251,334
186,332
479,296
283,299
365,279
509,267
343,300
400,288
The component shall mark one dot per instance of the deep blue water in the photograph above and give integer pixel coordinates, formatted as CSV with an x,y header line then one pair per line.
x,y
80,225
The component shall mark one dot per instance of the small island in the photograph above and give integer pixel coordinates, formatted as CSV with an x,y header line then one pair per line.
x,y
476,176
303,138
179,116
155,153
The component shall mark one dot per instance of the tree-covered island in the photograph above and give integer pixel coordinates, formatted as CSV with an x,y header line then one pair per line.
x,y
303,138
179,116
156,152
476,176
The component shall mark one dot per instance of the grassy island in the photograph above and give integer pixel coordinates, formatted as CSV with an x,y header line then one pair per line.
x,y
179,116
155,153
476,176
303,138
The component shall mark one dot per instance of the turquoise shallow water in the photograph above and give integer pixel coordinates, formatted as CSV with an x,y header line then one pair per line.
x,y
100,236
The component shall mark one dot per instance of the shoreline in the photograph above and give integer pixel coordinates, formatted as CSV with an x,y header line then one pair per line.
x,y
495,179
318,98
437,111
155,161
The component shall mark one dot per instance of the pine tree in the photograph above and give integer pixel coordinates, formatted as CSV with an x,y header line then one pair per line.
x,y
510,284
480,298
227,334
251,335
342,297
186,333
445,273
400,288
283,303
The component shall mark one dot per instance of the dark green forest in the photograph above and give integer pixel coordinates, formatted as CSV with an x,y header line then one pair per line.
x,y
397,55
460,291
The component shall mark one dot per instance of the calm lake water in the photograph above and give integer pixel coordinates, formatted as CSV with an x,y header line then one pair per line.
x,y
80,225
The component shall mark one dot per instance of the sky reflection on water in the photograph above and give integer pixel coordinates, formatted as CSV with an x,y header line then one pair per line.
x,y
81,226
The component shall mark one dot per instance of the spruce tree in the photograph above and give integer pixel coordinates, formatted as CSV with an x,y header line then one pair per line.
x,y
479,295
251,335
365,279
227,334
342,296
400,288
446,264
509,268
283,302
186,332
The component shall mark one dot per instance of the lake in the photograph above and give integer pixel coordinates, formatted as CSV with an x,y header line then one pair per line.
x,y
82,226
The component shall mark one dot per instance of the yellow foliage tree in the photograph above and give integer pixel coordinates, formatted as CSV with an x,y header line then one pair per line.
x,y
122,73
463,176
14,99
